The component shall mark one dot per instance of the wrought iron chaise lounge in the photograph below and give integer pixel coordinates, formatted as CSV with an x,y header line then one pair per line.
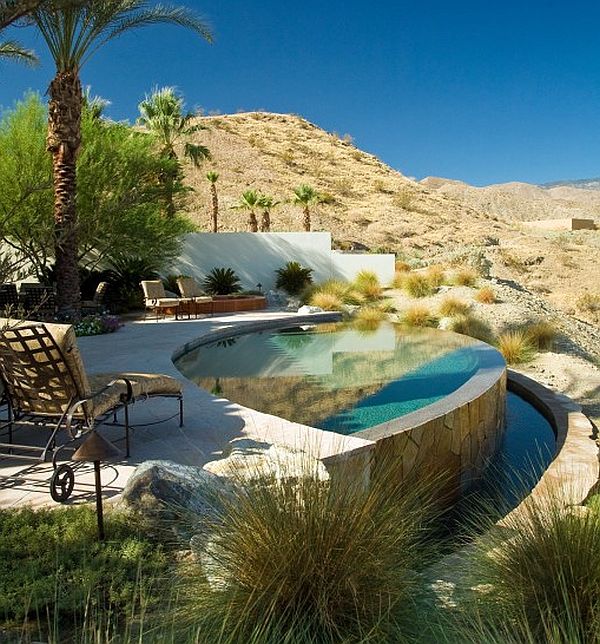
x,y
47,390
193,295
155,298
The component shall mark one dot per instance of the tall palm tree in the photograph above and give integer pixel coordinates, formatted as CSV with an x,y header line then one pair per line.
x,y
250,201
162,114
306,196
73,31
267,203
212,177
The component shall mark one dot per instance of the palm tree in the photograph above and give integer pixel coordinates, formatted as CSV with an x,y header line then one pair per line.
x,y
12,50
267,203
162,114
212,177
250,201
73,31
306,196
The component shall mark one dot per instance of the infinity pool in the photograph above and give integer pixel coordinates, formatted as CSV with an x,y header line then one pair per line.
x,y
334,377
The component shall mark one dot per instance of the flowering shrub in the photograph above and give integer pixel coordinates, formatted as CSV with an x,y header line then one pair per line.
x,y
97,325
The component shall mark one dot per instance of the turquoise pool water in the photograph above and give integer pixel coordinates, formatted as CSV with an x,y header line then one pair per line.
x,y
334,377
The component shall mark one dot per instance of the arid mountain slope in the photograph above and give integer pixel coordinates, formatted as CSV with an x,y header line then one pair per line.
x,y
368,203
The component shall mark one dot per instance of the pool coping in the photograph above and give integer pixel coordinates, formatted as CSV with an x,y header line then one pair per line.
x,y
575,467
486,376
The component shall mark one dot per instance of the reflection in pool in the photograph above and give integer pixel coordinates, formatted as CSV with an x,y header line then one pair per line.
x,y
332,376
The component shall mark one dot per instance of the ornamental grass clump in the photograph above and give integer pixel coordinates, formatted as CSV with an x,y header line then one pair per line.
x,y
516,346
368,285
419,316
485,295
369,318
472,326
304,559
326,301
465,277
451,306
436,276
417,285
542,573
541,334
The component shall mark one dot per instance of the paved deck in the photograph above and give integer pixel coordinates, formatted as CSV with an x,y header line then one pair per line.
x,y
209,422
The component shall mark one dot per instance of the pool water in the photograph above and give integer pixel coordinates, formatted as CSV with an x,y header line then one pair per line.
x,y
335,377
527,448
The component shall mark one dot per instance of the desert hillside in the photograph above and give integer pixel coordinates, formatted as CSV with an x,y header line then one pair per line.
x,y
368,204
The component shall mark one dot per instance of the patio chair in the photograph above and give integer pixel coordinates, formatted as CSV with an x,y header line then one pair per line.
x,y
47,390
156,299
37,300
191,292
9,298
97,303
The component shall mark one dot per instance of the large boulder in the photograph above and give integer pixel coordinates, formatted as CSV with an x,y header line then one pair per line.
x,y
163,489
249,462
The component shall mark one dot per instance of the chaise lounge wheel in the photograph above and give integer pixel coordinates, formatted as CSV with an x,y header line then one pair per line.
x,y
61,483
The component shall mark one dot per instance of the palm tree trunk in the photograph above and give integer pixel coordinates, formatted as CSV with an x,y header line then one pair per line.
x,y
63,141
306,219
253,222
215,207
265,224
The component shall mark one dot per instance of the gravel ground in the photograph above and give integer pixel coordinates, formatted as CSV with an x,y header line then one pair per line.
x,y
572,368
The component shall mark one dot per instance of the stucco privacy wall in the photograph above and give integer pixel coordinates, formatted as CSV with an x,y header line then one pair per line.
x,y
256,256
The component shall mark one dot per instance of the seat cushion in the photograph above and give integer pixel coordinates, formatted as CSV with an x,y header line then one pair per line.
x,y
108,399
162,302
143,384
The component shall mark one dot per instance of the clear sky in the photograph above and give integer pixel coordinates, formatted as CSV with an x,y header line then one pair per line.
x,y
480,91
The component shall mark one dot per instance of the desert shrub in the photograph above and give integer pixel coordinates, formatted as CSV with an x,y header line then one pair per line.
x,y
51,563
326,301
485,295
221,281
465,277
401,266
589,303
436,276
293,278
305,560
451,306
403,199
472,257
541,334
546,576
419,316
516,347
417,285
472,326
367,283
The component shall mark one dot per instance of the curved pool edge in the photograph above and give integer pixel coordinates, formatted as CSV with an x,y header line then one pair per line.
x,y
458,433
575,467
237,328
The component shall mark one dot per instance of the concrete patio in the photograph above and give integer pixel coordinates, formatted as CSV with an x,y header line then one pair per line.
x,y
149,346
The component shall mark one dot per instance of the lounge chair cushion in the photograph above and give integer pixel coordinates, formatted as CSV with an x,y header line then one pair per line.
x,y
188,287
153,289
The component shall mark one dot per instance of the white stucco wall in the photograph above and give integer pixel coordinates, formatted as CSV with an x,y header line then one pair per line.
x,y
256,256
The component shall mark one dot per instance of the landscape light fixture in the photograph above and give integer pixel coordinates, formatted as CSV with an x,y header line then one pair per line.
x,y
96,449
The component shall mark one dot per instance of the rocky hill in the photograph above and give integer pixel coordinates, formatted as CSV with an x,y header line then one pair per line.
x,y
367,204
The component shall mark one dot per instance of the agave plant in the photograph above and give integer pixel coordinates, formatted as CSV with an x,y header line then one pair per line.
x,y
222,281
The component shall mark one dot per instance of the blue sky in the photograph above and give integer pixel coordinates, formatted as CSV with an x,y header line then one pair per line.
x,y
483,92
